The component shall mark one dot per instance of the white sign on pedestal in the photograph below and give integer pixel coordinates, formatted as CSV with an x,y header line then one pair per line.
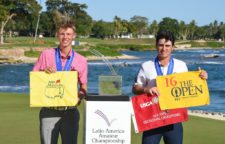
x,y
108,122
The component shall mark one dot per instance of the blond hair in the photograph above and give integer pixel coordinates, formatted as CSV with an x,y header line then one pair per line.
x,y
66,25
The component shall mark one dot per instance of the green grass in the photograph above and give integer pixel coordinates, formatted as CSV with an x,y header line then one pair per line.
x,y
49,42
94,41
106,51
128,44
204,131
208,44
108,47
29,42
19,124
134,47
32,53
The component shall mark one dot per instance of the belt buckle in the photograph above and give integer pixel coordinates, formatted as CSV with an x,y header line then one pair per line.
x,y
58,108
61,108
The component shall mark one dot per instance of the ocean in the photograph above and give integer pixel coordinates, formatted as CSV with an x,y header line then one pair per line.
x,y
15,78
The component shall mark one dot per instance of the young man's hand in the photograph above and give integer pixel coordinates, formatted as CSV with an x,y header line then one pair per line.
x,y
203,74
49,70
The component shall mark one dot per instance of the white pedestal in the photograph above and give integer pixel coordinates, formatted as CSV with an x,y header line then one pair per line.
x,y
107,120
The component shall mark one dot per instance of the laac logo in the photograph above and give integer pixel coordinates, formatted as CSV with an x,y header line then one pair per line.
x,y
155,100
54,89
104,117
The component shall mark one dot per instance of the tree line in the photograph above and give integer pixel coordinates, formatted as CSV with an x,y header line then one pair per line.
x,y
24,18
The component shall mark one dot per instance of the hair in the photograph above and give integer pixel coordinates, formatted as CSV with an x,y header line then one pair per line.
x,y
164,34
66,25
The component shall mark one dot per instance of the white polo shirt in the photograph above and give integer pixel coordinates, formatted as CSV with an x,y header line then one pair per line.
x,y
147,73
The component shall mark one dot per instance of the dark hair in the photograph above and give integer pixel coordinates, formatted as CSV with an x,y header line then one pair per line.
x,y
163,34
66,25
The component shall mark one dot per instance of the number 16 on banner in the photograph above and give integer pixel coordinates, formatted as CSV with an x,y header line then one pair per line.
x,y
182,90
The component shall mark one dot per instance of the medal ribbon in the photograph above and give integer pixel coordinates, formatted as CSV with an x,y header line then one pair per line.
x,y
158,69
59,63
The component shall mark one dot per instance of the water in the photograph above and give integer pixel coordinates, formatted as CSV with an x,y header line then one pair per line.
x,y
15,78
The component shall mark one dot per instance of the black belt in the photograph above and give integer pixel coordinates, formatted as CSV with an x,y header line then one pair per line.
x,y
62,108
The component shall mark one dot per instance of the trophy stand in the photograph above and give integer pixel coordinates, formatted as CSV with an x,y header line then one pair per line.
x,y
107,114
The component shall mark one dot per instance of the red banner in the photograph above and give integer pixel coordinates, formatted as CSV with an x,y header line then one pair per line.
x,y
147,113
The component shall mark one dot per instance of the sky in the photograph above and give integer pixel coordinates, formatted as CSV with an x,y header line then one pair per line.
x,y
202,11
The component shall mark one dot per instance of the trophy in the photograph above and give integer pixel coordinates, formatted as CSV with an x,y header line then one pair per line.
x,y
109,85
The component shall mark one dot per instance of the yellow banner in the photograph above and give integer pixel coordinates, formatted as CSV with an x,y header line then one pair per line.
x,y
56,89
182,90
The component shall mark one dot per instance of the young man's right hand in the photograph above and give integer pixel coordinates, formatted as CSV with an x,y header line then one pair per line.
x,y
151,91
49,70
